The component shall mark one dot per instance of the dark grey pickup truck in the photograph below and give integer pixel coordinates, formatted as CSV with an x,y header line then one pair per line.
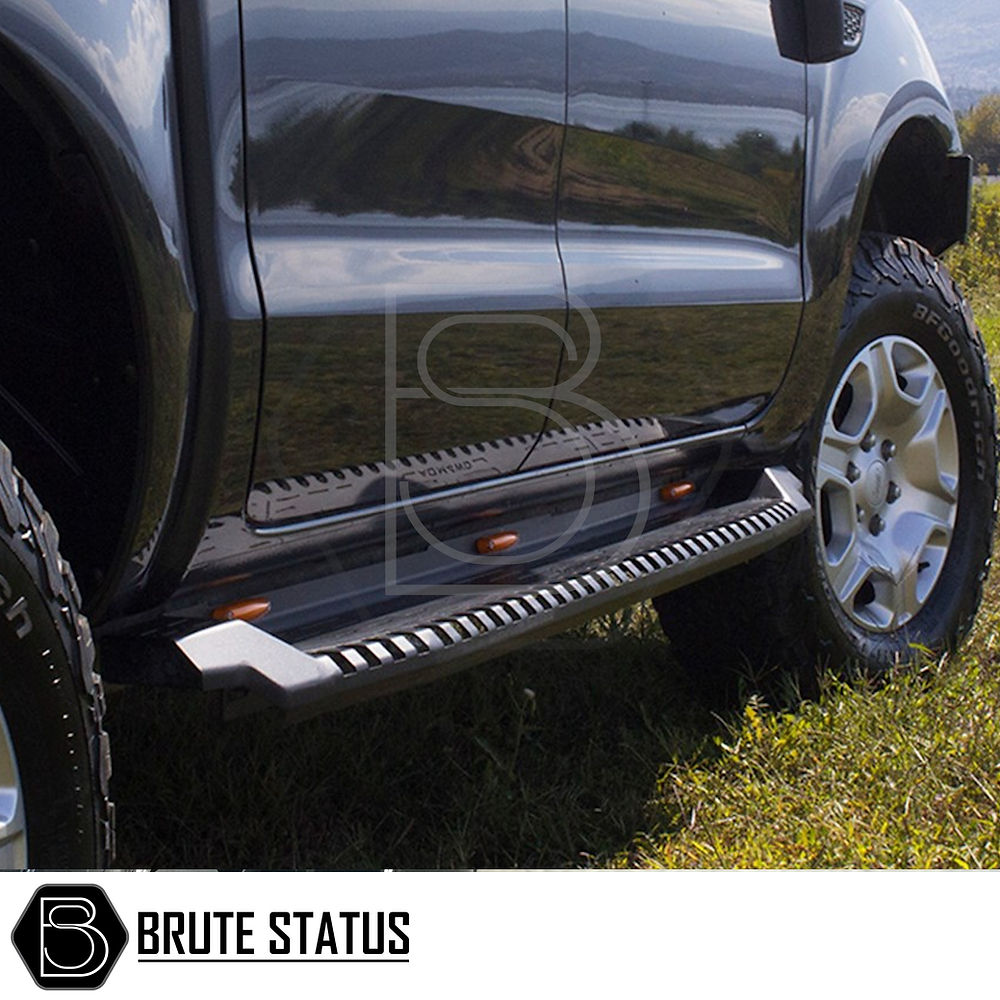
x,y
352,342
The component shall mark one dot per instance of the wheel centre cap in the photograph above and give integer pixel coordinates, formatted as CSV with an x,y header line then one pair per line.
x,y
876,484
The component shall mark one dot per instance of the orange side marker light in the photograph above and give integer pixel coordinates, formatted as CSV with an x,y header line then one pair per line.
x,y
244,611
676,491
492,544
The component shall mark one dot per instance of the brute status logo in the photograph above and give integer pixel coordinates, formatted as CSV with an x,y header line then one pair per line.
x,y
300,935
70,937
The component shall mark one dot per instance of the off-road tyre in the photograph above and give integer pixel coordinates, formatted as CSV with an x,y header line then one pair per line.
x,y
50,694
771,624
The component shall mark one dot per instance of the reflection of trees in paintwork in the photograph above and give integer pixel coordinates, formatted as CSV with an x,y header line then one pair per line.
x,y
324,404
643,175
409,158
413,158
718,368
750,151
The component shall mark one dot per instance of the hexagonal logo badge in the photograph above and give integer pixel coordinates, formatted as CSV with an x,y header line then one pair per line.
x,y
70,937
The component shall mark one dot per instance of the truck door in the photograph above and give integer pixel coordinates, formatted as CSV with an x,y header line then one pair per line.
x,y
680,213
401,173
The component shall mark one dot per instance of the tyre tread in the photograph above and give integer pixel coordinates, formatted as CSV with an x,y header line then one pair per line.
x,y
34,537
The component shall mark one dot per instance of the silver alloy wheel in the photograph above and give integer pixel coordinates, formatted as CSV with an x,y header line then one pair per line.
x,y
887,484
13,830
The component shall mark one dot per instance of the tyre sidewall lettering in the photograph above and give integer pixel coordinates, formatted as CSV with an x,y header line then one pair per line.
x,y
926,315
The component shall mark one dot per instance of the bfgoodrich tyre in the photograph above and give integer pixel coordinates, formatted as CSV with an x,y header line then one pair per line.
x,y
901,466
54,760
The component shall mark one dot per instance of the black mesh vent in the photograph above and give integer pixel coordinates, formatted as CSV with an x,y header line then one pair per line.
x,y
854,24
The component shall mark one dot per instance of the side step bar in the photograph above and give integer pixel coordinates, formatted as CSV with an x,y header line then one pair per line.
x,y
445,635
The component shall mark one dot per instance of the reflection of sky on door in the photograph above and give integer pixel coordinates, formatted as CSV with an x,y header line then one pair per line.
x,y
682,10
749,15
368,6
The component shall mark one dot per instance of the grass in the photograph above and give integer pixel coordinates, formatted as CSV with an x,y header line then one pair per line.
x,y
989,192
544,759
585,751
906,776
588,750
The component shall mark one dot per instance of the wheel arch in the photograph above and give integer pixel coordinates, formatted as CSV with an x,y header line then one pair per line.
x,y
920,188
95,402
872,115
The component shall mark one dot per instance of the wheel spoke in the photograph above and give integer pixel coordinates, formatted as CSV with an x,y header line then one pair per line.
x,y
838,447
915,530
849,573
929,460
828,474
923,539
892,404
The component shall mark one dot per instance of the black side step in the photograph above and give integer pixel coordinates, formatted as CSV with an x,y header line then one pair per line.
x,y
445,635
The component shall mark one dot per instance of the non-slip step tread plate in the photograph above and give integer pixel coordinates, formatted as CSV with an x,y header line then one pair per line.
x,y
435,638
439,633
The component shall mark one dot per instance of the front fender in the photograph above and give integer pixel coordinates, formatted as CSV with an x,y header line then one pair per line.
x,y
857,105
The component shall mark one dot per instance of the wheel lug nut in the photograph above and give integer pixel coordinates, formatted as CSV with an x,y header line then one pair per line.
x,y
868,443
894,493
888,450
876,526
853,472
861,515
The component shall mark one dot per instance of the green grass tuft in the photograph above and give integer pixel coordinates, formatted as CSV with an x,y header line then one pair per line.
x,y
906,776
